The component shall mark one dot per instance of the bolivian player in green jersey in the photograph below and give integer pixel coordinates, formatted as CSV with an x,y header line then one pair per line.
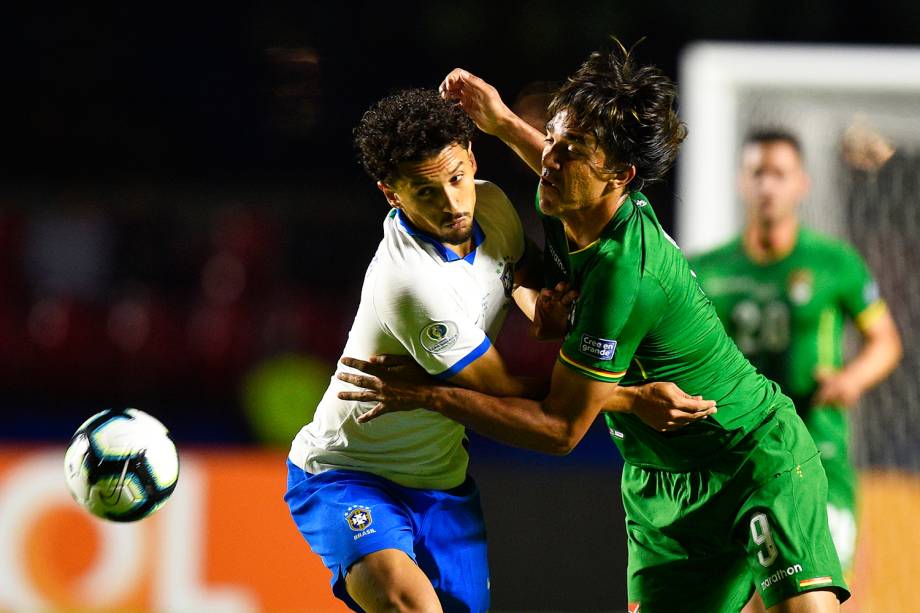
x,y
713,506
784,294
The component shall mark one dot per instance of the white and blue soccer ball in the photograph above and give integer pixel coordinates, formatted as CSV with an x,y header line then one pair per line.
x,y
121,465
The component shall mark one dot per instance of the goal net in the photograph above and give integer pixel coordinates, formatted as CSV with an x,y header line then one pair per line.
x,y
818,92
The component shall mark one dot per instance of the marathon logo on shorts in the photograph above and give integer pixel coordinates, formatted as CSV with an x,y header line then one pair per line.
x,y
779,575
596,347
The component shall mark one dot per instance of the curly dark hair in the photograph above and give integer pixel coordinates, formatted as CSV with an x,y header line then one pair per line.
x,y
629,109
408,126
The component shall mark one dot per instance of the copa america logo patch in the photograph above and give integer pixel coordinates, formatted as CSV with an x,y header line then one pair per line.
x,y
358,517
439,336
596,347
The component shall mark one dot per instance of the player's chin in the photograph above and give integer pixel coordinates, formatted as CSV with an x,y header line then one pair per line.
x,y
548,201
458,236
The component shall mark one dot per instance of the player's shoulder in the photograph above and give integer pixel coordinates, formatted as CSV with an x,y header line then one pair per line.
x,y
492,202
400,255
404,283
491,191
617,264
497,216
719,254
825,247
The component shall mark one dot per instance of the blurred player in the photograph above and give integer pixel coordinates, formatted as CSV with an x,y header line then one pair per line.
x,y
740,495
784,293
389,506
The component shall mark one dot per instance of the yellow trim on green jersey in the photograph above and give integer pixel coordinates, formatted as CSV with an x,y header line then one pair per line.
x,y
585,248
604,375
641,367
826,338
870,314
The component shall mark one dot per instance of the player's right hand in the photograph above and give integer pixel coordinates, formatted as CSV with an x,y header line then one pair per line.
x,y
664,406
395,383
480,100
552,310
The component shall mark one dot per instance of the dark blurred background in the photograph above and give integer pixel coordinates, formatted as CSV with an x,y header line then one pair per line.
x,y
180,198
184,227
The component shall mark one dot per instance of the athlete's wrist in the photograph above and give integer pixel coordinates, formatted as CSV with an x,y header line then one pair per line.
x,y
433,398
509,127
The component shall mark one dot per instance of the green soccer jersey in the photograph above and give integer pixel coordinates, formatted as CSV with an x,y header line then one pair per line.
x,y
788,316
641,316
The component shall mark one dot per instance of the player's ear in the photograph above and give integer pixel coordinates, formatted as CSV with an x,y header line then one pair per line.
x,y
806,184
390,194
469,150
622,178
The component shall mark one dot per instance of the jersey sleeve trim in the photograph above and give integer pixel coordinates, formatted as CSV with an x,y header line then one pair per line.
x,y
870,314
466,360
594,373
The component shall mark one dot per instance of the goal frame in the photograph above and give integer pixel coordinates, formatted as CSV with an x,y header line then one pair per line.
x,y
713,76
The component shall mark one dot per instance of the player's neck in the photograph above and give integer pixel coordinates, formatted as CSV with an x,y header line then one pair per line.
x,y
583,226
462,250
765,243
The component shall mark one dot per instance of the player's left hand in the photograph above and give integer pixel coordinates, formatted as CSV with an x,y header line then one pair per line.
x,y
480,100
395,383
837,389
864,148
665,407
551,314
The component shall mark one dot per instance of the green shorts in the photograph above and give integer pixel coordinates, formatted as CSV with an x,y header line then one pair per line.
x,y
756,516
830,430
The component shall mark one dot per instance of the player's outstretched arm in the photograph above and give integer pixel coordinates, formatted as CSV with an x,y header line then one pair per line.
x,y
554,425
485,107
487,374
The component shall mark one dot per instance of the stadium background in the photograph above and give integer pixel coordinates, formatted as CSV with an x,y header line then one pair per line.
x,y
184,229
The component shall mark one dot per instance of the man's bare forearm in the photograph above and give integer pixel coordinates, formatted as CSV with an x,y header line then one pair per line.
x,y
623,399
519,422
524,140
876,360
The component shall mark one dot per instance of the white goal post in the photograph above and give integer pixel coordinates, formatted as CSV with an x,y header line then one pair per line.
x,y
714,81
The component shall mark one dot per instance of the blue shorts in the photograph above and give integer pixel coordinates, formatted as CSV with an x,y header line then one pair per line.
x,y
346,515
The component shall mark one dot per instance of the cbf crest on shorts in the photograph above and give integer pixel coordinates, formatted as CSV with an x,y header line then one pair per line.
x,y
359,517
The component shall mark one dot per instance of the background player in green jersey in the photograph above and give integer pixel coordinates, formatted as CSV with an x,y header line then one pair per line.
x,y
783,293
716,506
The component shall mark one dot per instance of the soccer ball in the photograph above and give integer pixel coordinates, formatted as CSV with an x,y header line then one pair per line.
x,y
121,465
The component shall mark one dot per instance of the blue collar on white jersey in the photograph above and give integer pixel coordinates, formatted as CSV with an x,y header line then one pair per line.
x,y
446,254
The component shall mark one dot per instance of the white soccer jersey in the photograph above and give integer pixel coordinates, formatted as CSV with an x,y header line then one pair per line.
x,y
422,300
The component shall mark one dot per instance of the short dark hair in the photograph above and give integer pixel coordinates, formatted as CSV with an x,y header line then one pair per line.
x,y
629,108
408,126
758,136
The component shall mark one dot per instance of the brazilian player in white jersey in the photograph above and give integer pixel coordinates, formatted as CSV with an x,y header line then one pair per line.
x,y
388,505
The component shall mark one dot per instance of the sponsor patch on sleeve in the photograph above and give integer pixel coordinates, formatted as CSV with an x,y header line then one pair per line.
x,y
596,347
439,336
870,292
